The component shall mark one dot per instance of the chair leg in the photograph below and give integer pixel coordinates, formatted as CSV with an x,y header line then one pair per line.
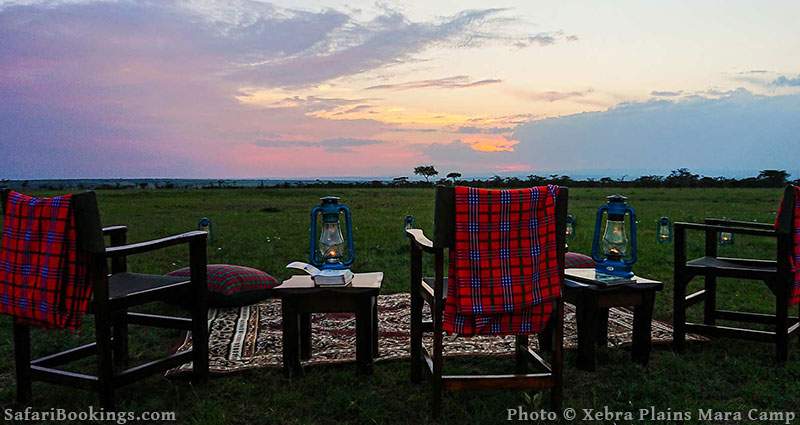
x,y
22,360
557,362
200,341
520,349
710,301
781,329
120,326
416,337
438,358
105,364
545,338
679,314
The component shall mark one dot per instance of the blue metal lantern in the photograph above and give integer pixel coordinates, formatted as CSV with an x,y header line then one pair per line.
x,y
612,251
329,249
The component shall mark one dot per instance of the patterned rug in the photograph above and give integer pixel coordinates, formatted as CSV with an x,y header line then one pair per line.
x,y
250,337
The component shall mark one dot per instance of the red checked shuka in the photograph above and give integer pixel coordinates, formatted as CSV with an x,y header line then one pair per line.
x,y
503,273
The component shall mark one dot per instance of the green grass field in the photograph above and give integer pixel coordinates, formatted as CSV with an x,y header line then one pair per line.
x,y
268,228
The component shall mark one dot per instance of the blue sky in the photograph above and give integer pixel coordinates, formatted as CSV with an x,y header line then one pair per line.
x,y
238,89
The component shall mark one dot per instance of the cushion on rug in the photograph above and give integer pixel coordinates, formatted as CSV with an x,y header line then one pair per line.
x,y
574,260
234,286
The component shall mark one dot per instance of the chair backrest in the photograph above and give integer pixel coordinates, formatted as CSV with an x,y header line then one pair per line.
x,y
444,219
87,220
784,223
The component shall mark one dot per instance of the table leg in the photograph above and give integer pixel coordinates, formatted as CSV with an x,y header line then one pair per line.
x,y
305,336
291,339
642,325
602,327
364,334
586,315
375,330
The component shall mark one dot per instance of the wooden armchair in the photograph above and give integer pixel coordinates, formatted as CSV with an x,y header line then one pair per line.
x,y
113,295
432,291
777,275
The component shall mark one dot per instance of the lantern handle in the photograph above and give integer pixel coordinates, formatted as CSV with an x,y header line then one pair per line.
x,y
634,245
312,252
351,247
596,239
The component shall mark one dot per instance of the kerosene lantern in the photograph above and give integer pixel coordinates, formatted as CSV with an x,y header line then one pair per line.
x,y
612,251
328,248
664,230
571,224
206,225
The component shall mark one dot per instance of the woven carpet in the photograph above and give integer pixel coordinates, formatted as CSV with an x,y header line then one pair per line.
x,y
250,337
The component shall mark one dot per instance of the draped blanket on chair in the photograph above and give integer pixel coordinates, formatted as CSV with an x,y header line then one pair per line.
x,y
43,274
503,273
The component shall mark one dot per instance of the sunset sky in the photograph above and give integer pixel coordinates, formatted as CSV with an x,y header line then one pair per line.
x,y
290,89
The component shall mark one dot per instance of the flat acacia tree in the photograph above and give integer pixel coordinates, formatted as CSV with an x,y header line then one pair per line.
x,y
453,176
775,178
426,171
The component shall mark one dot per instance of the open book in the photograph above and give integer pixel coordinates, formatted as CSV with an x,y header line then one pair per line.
x,y
324,277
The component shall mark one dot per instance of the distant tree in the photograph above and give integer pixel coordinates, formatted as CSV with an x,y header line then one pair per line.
x,y
400,180
25,183
682,177
606,181
453,176
649,181
143,185
774,178
426,171
221,182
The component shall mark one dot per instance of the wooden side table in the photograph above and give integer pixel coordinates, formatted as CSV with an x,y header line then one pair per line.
x,y
592,299
300,297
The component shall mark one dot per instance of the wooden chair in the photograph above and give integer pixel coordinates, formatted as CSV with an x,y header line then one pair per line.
x,y
113,295
433,292
776,274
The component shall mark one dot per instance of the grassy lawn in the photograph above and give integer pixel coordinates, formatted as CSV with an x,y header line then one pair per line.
x,y
268,228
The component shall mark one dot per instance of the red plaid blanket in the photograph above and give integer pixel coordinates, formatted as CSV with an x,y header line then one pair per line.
x,y
503,266
43,275
794,296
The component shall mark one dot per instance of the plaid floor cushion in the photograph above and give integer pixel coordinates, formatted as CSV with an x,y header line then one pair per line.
x,y
503,268
574,260
43,275
233,286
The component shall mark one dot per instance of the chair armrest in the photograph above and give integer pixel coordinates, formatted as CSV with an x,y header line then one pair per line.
x,y
419,239
138,248
112,230
680,226
736,223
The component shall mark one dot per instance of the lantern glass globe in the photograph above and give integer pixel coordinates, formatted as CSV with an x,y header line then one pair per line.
x,y
615,240
331,243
